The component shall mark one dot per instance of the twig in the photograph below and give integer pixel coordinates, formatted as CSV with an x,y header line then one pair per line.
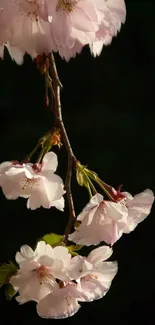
x,y
56,84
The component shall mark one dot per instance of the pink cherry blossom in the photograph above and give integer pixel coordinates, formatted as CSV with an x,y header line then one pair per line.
x,y
72,20
114,13
86,22
42,26
22,27
100,221
39,270
58,282
139,208
61,303
92,278
106,221
40,186
93,274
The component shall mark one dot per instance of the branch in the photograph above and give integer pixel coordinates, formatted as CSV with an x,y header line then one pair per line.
x,y
55,89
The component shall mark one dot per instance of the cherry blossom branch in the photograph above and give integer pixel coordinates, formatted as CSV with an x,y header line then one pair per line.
x,y
55,89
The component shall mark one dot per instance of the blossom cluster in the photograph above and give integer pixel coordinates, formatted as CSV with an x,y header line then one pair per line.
x,y
36,182
64,26
100,220
58,282
54,275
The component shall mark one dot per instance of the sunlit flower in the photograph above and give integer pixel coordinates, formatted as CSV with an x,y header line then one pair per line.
x,y
22,27
61,303
92,278
139,208
100,221
40,185
93,274
92,22
65,26
106,221
39,270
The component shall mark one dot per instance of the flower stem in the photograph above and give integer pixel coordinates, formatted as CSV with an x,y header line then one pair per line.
x,y
55,92
100,183
28,157
89,190
42,153
90,183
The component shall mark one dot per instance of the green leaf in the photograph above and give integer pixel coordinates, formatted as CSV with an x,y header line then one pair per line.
x,y
53,239
72,249
6,271
9,291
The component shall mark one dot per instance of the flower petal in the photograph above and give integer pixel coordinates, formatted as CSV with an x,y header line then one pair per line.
x,y
59,204
26,253
138,209
97,283
99,254
78,267
50,162
59,304
61,253
93,203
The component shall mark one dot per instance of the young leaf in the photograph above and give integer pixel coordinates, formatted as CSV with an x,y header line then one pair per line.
x,y
72,249
9,292
53,239
6,271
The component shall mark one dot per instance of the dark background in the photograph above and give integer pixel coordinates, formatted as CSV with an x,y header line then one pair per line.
x,y
108,110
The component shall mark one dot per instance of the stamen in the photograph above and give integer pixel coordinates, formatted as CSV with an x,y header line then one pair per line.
x,y
68,299
88,277
27,183
66,5
28,8
43,275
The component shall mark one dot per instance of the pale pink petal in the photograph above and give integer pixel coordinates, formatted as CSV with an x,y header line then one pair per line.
x,y
99,254
97,283
127,195
68,52
15,53
119,7
79,267
115,210
41,248
54,187
16,173
59,204
34,289
138,209
26,253
50,162
61,303
93,203
62,31
10,192
45,261
29,265
85,24
22,300
61,252
96,48
4,166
